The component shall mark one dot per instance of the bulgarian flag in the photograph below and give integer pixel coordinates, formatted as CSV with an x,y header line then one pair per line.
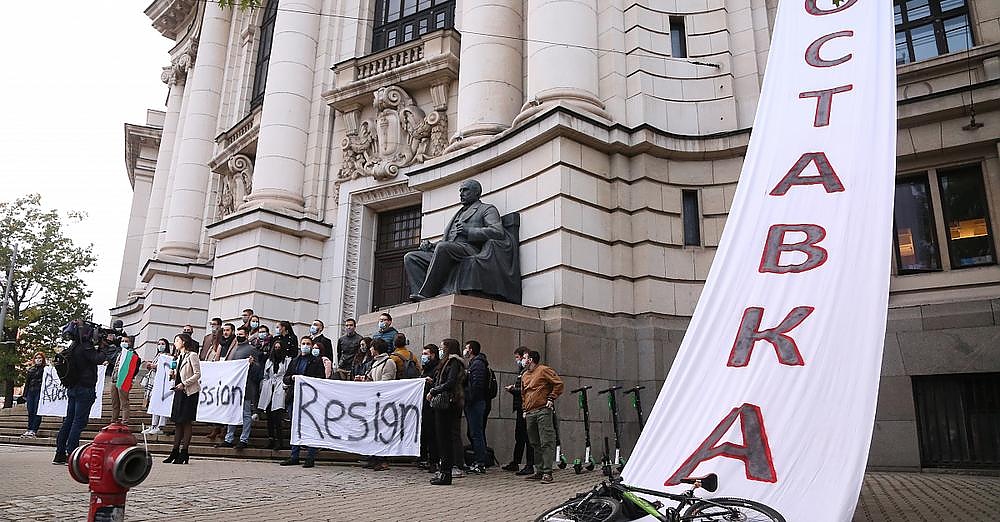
x,y
127,370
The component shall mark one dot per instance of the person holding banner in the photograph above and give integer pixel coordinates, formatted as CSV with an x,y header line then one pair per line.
x,y
447,400
272,392
383,369
159,421
308,365
185,371
247,351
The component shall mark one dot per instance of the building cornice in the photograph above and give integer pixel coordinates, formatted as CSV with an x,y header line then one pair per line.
x,y
169,16
136,137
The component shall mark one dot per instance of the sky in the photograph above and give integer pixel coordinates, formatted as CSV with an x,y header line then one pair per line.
x,y
74,72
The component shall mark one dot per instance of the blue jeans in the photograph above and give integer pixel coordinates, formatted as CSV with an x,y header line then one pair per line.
x,y
474,413
310,452
79,401
247,422
34,419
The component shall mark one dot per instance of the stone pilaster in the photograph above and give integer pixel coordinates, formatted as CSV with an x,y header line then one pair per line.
x,y
562,56
284,122
187,206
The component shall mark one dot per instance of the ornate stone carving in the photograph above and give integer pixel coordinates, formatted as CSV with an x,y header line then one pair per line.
x,y
355,217
235,185
400,135
178,69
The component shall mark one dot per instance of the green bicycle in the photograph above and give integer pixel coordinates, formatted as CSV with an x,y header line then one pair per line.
x,y
612,501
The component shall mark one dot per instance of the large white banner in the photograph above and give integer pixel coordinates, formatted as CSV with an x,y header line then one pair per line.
x,y
775,384
54,402
223,386
367,418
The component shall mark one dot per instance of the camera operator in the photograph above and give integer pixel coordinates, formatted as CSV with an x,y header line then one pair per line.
x,y
82,357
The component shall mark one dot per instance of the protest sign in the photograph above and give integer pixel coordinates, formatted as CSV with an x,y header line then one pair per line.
x,y
53,401
220,400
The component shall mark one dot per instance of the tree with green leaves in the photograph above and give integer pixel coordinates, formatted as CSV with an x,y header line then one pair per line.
x,y
47,290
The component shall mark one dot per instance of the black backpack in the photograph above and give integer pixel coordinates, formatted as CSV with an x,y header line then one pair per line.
x,y
410,370
65,365
493,387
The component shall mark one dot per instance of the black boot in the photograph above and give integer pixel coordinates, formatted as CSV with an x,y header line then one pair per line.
x,y
173,456
182,457
442,479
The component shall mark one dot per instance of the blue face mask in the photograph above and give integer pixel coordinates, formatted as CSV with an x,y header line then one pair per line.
x,y
382,325
315,352
161,348
304,349
125,346
313,330
424,359
254,324
520,363
262,336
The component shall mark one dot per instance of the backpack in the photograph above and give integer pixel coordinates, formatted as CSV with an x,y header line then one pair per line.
x,y
493,387
64,363
409,370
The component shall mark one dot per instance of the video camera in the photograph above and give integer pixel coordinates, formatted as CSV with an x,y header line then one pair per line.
x,y
80,330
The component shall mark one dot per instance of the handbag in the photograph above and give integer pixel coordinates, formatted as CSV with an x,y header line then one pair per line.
x,y
441,401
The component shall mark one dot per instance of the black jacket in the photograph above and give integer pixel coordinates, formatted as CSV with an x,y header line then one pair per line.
x,y
256,372
477,387
347,346
33,381
452,379
86,359
325,347
516,392
314,368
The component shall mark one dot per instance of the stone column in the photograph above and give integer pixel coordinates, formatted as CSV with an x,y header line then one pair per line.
x,y
187,204
566,69
280,166
490,80
175,79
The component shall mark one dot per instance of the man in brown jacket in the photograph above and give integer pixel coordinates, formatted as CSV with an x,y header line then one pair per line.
x,y
540,387
211,339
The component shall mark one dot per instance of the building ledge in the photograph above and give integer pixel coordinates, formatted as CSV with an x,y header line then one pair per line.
x,y
289,222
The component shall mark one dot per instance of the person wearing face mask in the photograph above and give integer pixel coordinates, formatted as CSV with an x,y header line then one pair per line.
x,y
428,438
217,352
448,380
245,351
362,361
189,330
33,392
540,387
272,392
211,340
347,347
246,316
125,370
283,332
477,401
306,364
385,330
521,445
261,340
159,421
321,341
383,369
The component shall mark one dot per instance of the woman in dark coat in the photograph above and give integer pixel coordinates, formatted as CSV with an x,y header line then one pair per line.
x,y
33,392
451,380
185,374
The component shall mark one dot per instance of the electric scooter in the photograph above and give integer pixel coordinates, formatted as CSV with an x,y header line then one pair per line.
x,y
588,459
613,406
637,403
560,458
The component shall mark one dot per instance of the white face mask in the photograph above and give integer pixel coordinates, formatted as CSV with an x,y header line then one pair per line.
x,y
382,325
313,330
304,349
315,352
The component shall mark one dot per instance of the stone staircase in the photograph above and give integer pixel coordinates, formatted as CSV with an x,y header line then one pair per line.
x,y
14,421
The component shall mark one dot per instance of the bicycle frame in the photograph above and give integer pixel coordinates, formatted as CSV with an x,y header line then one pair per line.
x,y
629,494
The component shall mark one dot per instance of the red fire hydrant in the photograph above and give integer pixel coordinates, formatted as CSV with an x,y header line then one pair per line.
x,y
111,465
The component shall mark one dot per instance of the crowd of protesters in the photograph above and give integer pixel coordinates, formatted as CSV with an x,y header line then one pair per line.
x,y
458,383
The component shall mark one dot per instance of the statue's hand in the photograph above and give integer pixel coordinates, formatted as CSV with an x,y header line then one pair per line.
x,y
459,229
426,246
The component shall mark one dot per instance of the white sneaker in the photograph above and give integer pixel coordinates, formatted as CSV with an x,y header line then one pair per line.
x,y
154,431
457,473
28,435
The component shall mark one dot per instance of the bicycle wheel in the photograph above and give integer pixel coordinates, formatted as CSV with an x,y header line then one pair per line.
x,y
594,509
735,509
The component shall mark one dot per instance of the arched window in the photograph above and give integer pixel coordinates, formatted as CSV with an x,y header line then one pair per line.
x,y
263,53
400,21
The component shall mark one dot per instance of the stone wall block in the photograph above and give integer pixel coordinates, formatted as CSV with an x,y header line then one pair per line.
x,y
895,399
950,351
906,319
892,357
957,315
895,443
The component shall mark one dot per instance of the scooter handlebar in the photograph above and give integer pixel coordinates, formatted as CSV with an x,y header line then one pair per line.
x,y
581,388
635,389
611,389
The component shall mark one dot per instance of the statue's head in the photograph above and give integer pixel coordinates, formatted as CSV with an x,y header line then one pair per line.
x,y
469,191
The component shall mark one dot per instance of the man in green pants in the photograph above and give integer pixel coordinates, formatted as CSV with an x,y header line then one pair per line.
x,y
540,387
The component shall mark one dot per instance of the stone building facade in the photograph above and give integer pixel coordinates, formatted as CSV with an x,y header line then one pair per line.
x,y
306,145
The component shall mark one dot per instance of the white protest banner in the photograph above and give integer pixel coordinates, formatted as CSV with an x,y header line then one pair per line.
x,y
162,397
775,384
367,418
223,386
54,402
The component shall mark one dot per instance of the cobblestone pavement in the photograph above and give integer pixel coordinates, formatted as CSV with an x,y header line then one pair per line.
x,y
212,489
